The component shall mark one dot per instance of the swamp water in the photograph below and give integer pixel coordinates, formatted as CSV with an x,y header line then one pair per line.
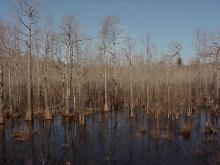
x,y
114,138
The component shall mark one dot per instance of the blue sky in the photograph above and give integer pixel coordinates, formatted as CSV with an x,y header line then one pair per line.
x,y
165,20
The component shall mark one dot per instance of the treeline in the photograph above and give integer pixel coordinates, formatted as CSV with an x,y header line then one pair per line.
x,y
65,70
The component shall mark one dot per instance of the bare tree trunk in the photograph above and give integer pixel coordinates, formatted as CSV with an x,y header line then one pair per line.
x,y
142,84
106,94
168,89
82,116
47,114
66,112
106,99
218,83
115,74
1,96
16,94
29,113
71,80
9,89
189,90
38,78
131,89
148,86
63,87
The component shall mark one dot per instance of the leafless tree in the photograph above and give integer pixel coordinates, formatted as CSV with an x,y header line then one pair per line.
x,y
129,50
200,44
47,49
148,47
104,35
67,32
38,67
115,38
70,31
148,53
28,16
174,50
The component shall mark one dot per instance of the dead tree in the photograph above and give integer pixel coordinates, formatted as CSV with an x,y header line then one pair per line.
x,y
200,44
214,53
66,32
71,39
148,47
37,50
128,53
148,53
27,16
107,39
115,32
47,48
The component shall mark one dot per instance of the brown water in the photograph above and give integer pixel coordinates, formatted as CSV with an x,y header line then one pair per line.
x,y
114,138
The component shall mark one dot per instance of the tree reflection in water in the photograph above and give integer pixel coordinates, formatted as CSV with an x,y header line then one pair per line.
x,y
115,138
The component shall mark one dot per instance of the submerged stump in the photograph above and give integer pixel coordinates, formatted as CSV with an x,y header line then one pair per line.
x,y
28,115
106,107
82,118
47,115
186,131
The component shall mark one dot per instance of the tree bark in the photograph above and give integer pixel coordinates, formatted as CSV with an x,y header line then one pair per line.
x,y
66,112
29,113
47,113
9,88
106,99
131,90
38,78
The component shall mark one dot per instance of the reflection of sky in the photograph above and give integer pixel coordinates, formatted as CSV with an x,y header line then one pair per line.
x,y
166,20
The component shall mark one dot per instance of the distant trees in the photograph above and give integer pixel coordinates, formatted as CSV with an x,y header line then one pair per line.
x,y
207,46
148,47
200,44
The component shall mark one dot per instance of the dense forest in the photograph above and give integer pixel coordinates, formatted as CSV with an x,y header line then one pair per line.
x,y
44,71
